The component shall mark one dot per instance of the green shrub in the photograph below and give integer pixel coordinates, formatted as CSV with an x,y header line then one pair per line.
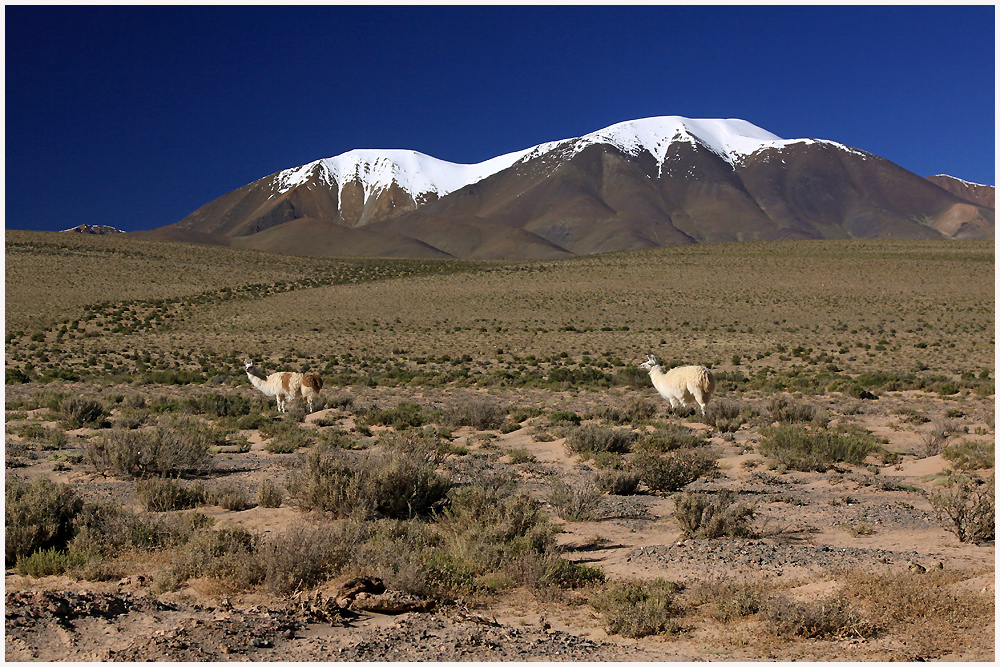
x,y
519,415
229,553
15,376
285,437
619,482
253,421
232,497
424,445
801,448
105,529
967,508
564,417
789,412
47,438
269,494
403,416
494,538
520,455
674,470
48,562
159,494
728,416
37,516
391,484
223,405
736,601
305,556
637,410
591,438
637,608
970,455
718,515
673,436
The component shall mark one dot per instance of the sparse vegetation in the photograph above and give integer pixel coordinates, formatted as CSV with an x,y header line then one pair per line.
x,y
638,608
674,470
719,515
432,464
967,507
805,448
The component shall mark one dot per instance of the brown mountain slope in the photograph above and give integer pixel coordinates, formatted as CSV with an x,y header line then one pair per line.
x,y
573,199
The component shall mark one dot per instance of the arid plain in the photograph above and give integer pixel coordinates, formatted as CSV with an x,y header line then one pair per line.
x,y
486,448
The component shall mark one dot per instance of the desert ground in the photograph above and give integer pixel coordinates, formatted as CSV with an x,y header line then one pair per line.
x,y
488,475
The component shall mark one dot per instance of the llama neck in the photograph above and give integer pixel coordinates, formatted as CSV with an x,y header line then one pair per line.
x,y
255,376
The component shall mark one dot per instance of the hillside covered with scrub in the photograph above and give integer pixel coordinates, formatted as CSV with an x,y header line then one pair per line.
x,y
488,475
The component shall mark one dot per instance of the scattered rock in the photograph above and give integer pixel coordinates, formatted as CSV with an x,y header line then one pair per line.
x,y
390,602
351,589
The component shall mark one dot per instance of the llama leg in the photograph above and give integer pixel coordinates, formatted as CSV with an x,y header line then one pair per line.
x,y
702,399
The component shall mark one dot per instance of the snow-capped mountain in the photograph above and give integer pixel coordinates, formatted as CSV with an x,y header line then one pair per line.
x,y
94,229
655,181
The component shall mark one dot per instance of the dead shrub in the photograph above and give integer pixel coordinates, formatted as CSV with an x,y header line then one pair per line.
x,y
482,414
305,556
576,502
967,508
917,605
830,617
81,412
176,446
933,441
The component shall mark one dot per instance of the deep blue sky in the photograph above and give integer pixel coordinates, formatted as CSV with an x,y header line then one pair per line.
x,y
136,116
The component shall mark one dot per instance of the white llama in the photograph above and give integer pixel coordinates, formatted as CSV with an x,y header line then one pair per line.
x,y
682,385
284,386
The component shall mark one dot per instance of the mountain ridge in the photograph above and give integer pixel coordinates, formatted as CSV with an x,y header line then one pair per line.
x,y
657,181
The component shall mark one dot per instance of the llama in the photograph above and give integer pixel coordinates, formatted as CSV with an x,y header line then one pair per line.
x,y
285,385
683,384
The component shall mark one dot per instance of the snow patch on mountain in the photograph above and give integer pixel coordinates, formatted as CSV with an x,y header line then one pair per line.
x,y
420,175
377,170
962,181
94,229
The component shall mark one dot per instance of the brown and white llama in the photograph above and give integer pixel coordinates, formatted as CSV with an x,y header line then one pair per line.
x,y
284,385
